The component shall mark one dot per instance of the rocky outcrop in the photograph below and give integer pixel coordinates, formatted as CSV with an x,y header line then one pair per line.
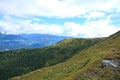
x,y
111,63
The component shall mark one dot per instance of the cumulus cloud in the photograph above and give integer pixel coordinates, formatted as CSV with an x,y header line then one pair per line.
x,y
99,28
98,14
26,26
59,8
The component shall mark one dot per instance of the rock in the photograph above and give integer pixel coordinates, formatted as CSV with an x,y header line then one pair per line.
x,y
111,63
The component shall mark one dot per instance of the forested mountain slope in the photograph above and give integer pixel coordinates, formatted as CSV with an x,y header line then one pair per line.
x,y
18,62
87,65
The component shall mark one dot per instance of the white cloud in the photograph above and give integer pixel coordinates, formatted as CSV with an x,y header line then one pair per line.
x,y
102,9
99,28
95,14
26,26
73,29
63,8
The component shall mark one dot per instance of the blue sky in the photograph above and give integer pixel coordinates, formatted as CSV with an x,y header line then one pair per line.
x,y
76,18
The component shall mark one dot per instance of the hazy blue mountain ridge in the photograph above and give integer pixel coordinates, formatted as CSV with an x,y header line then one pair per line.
x,y
11,42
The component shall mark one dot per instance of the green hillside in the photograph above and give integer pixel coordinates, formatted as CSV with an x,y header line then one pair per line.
x,y
87,65
18,62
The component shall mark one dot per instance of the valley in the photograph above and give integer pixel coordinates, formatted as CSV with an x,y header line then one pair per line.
x,y
13,42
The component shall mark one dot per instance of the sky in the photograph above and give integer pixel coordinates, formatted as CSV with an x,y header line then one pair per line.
x,y
75,18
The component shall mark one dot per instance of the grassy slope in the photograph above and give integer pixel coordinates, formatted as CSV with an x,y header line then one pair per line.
x,y
84,66
18,62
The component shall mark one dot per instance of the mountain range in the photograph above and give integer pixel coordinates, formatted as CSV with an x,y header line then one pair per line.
x,y
69,59
12,42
